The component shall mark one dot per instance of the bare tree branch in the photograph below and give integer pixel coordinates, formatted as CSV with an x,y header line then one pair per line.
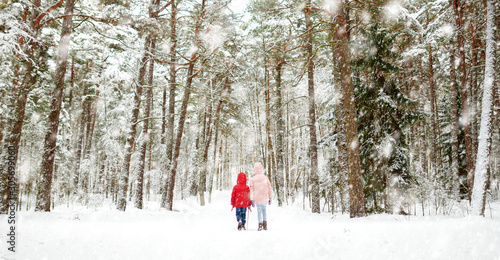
x,y
70,15
50,9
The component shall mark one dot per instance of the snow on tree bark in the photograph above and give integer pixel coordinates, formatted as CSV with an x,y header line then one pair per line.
x,y
270,147
435,154
172,83
153,13
216,126
180,132
129,145
204,144
356,194
182,117
84,119
474,87
454,126
483,153
280,128
458,9
43,200
20,93
313,148
422,126
145,128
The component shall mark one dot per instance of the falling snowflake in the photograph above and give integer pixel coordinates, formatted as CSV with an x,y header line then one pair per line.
x,y
392,10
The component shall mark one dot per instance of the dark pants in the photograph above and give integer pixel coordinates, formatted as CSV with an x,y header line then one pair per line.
x,y
241,214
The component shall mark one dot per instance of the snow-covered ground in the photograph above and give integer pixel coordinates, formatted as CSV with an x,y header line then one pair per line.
x,y
194,232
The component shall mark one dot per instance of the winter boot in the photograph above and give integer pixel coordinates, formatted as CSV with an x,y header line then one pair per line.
x,y
260,227
239,225
264,225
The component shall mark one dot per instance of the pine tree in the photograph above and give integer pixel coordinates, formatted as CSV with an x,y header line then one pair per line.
x,y
191,73
356,193
43,201
481,175
27,53
459,23
172,83
129,146
384,114
313,149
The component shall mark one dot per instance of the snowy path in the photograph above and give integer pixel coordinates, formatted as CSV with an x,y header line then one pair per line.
x,y
209,232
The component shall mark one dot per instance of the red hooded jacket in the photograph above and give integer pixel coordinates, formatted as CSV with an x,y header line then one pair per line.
x,y
240,197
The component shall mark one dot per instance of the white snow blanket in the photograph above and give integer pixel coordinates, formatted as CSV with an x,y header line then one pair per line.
x,y
194,232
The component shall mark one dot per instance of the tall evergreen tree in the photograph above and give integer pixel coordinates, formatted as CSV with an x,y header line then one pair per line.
x,y
343,62
481,174
43,201
381,103
313,149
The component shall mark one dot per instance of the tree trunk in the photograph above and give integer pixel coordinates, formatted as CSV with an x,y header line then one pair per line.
x,y
44,189
216,162
474,88
483,153
172,83
103,173
260,141
92,118
356,194
145,128
81,138
457,7
313,148
342,157
182,118
286,151
139,196
341,132
180,131
423,125
279,137
15,121
270,148
129,145
216,125
204,160
454,126
435,155
202,180
413,139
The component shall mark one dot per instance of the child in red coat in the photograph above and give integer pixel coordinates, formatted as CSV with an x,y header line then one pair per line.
x,y
240,199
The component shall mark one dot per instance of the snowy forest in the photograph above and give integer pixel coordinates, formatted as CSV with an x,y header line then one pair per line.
x,y
353,107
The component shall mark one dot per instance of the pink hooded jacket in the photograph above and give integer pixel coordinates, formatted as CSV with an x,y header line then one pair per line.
x,y
260,187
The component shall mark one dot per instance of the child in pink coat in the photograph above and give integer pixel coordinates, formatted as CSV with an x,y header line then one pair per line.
x,y
260,194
